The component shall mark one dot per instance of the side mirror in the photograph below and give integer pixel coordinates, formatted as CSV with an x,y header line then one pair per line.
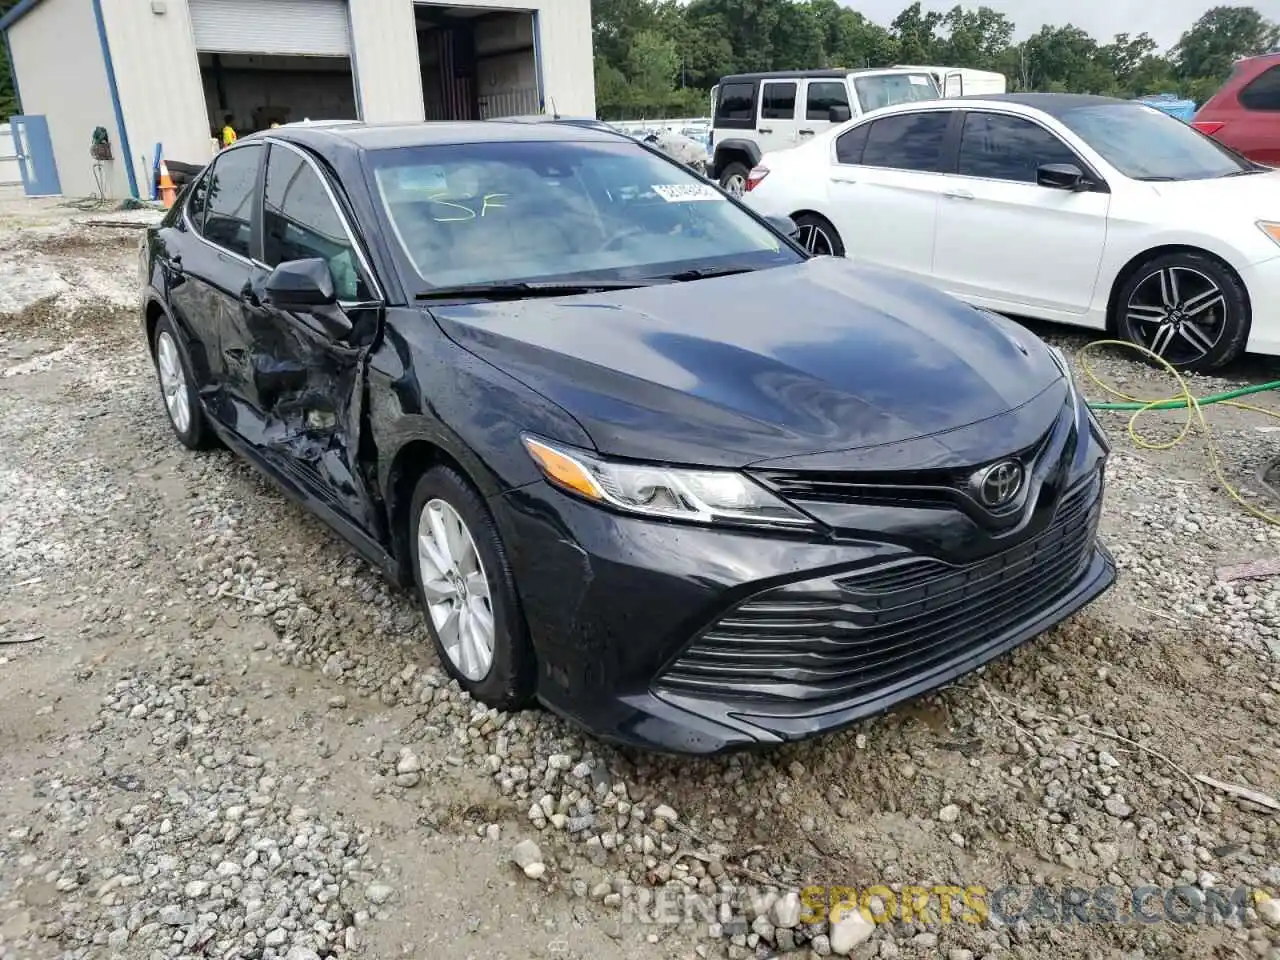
x,y
301,285
839,114
1061,176
784,225
306,286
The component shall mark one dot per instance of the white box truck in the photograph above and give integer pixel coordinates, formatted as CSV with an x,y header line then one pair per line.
x,y
963,82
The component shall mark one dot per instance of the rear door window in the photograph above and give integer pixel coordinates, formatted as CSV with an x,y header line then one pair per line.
x,y
1263,91
849,146
822,96
232,192
909,141
778,101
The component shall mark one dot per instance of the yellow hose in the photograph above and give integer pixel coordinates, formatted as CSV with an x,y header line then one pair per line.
x,y
1184,400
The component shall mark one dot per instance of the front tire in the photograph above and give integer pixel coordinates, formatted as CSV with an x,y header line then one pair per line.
x,y
468,591
181,401
817,235
1187,308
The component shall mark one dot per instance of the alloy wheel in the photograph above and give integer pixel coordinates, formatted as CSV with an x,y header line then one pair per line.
x,y
1178,313
456,589
816,240
735,185
173,382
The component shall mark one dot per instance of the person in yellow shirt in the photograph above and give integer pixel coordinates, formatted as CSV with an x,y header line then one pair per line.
x,y
228,131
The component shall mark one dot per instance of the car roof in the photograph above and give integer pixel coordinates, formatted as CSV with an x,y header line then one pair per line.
x,y
389,136
826,74
1055,105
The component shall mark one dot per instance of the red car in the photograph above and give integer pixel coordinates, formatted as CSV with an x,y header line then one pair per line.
x,y
1245,113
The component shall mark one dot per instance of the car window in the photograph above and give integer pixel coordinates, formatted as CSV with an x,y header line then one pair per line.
x,y
822,96
910,141
778,101
1001,147
1145,144
503,211
1263,91
299,222
232,189
888,89
737,102
849,146
197,202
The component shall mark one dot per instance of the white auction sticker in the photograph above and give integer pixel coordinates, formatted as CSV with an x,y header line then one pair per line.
x,y
686,192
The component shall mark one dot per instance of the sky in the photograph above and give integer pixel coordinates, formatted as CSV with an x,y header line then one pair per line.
x,y
1165,21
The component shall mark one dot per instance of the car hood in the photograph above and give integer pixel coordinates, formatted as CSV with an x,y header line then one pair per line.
x,y
1257,194
819,356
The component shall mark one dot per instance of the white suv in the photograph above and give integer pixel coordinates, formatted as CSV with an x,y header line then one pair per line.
x,y
758,113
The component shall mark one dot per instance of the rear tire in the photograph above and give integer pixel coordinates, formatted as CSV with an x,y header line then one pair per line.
x,y
1186,307
817,232
182,402
468,591
733,178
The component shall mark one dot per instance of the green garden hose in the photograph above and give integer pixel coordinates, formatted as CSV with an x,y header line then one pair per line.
x,y
1184,400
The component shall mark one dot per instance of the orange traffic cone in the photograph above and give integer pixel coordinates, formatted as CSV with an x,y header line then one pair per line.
x,y
168,192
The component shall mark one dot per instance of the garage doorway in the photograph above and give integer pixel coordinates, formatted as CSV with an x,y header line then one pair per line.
x,y
477,63
274,61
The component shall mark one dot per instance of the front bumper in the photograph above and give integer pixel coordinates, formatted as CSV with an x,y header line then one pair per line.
x,y
1262,281
694,640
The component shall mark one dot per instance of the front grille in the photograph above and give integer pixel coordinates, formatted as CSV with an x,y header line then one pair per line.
x,y
853,634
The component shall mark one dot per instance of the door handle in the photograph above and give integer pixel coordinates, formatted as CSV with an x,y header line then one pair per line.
x,y
765,130
958,195
806,133
843,180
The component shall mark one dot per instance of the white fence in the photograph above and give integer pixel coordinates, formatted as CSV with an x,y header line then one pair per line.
x,y
10,175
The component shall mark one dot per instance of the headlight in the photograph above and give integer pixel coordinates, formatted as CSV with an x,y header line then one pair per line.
x,y
675,493
1271,229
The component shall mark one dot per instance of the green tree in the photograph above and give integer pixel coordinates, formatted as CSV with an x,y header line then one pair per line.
x,y
666,54
1219,38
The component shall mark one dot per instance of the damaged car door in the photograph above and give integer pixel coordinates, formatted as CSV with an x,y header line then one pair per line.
x,y
313,314
207,262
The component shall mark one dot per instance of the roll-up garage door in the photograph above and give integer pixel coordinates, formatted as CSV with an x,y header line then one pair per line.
x,y
291,27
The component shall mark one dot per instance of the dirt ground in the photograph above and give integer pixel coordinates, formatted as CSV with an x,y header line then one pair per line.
x,y
223,735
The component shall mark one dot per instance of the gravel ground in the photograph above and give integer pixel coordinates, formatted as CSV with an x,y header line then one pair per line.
x,y
223,735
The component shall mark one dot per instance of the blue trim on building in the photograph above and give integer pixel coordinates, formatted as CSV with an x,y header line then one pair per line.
x,y
17,13
126,152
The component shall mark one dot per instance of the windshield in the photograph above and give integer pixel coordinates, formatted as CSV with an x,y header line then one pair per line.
x,y
537,210
887,89
1144,143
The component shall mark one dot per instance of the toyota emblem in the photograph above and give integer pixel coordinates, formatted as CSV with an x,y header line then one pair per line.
x,y
998,484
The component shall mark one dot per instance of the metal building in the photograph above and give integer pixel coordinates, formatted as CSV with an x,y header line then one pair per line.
x,y
166,72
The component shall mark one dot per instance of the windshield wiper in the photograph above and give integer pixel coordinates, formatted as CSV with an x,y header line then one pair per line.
x,y
522,289
1156,179
705,273
1244,172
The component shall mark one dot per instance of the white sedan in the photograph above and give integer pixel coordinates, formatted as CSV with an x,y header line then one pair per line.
x,y
1082,210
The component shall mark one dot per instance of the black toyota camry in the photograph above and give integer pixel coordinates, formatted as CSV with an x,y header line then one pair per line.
x,y
641,457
